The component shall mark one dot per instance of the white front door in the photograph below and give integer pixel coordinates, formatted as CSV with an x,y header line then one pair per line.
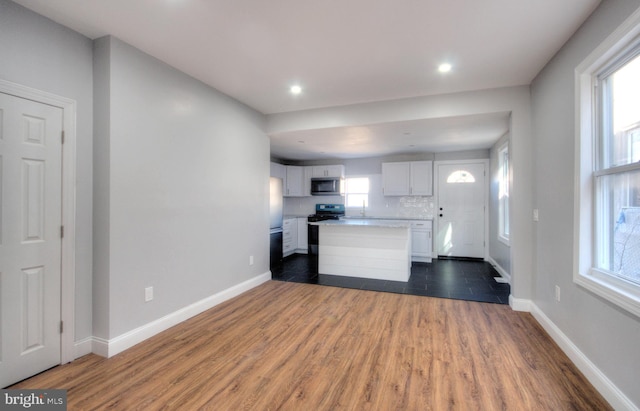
x,y
30,238
461,210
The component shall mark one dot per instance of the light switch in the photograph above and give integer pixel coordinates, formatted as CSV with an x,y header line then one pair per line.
x,y
148,294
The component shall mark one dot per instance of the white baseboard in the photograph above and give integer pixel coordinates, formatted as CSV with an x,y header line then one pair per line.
x,y
597,378
519,304
109,348
499,269
605,387
100,346
82,347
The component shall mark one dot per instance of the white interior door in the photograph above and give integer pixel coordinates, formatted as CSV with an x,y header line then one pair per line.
x,y
30,239
461,210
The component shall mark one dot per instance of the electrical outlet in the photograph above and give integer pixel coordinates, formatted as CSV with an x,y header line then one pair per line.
x,y
148,294
557,293
535,214
250,260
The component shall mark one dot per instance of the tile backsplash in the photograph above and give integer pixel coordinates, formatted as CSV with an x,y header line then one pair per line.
x,y
416,207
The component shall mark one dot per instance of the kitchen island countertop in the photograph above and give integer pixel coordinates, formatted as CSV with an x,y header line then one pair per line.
x,y
409,219
364,222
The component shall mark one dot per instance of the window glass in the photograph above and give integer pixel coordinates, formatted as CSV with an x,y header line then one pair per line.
x,y
503,193
461,176
618,228
357,192
617,188
620,115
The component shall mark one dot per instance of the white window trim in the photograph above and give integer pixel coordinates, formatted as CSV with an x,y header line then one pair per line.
x,y
617,291
501,237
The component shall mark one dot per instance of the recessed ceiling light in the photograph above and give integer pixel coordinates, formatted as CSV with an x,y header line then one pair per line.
x,y
444,68
295,89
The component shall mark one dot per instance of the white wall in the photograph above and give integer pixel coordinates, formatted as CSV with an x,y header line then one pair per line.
x,y
606,335
186,169
36,52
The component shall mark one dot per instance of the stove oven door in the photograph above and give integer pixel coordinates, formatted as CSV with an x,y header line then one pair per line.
x,y
312,239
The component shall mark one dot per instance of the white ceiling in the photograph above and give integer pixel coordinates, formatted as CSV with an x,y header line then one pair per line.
x,y
429,135
340,51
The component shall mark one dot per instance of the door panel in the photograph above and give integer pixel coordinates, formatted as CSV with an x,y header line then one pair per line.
x,y
461,210
30,243
32,309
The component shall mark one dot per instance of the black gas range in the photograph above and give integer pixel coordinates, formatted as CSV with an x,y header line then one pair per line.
x,y
323,212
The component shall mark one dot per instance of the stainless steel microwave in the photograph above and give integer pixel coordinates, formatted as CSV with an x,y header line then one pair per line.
x,y
327,186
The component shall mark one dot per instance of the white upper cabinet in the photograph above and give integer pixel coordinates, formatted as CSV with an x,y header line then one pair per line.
x,y
294,181
396,179
421,178
306,180
297,179
278,170
328,171
407,178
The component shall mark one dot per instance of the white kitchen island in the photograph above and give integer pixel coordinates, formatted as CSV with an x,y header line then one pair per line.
x,y
375,249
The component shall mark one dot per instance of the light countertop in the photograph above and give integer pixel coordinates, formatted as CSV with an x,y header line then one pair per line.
x,y
364,222
357,217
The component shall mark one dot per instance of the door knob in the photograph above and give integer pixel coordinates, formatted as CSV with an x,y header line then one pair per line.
x,y
440,215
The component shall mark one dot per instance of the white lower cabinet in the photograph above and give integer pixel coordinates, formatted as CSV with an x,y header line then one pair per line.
x,y
421,240
294,236
289,236
302,235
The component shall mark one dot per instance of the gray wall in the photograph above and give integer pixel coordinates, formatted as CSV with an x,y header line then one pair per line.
x,y
180,170
605,334
102,190
499,252
39,53
186,169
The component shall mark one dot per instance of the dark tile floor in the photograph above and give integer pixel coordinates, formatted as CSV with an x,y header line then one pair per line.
x,y
457,279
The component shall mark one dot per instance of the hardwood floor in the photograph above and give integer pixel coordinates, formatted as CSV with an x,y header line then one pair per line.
x,y
293,346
